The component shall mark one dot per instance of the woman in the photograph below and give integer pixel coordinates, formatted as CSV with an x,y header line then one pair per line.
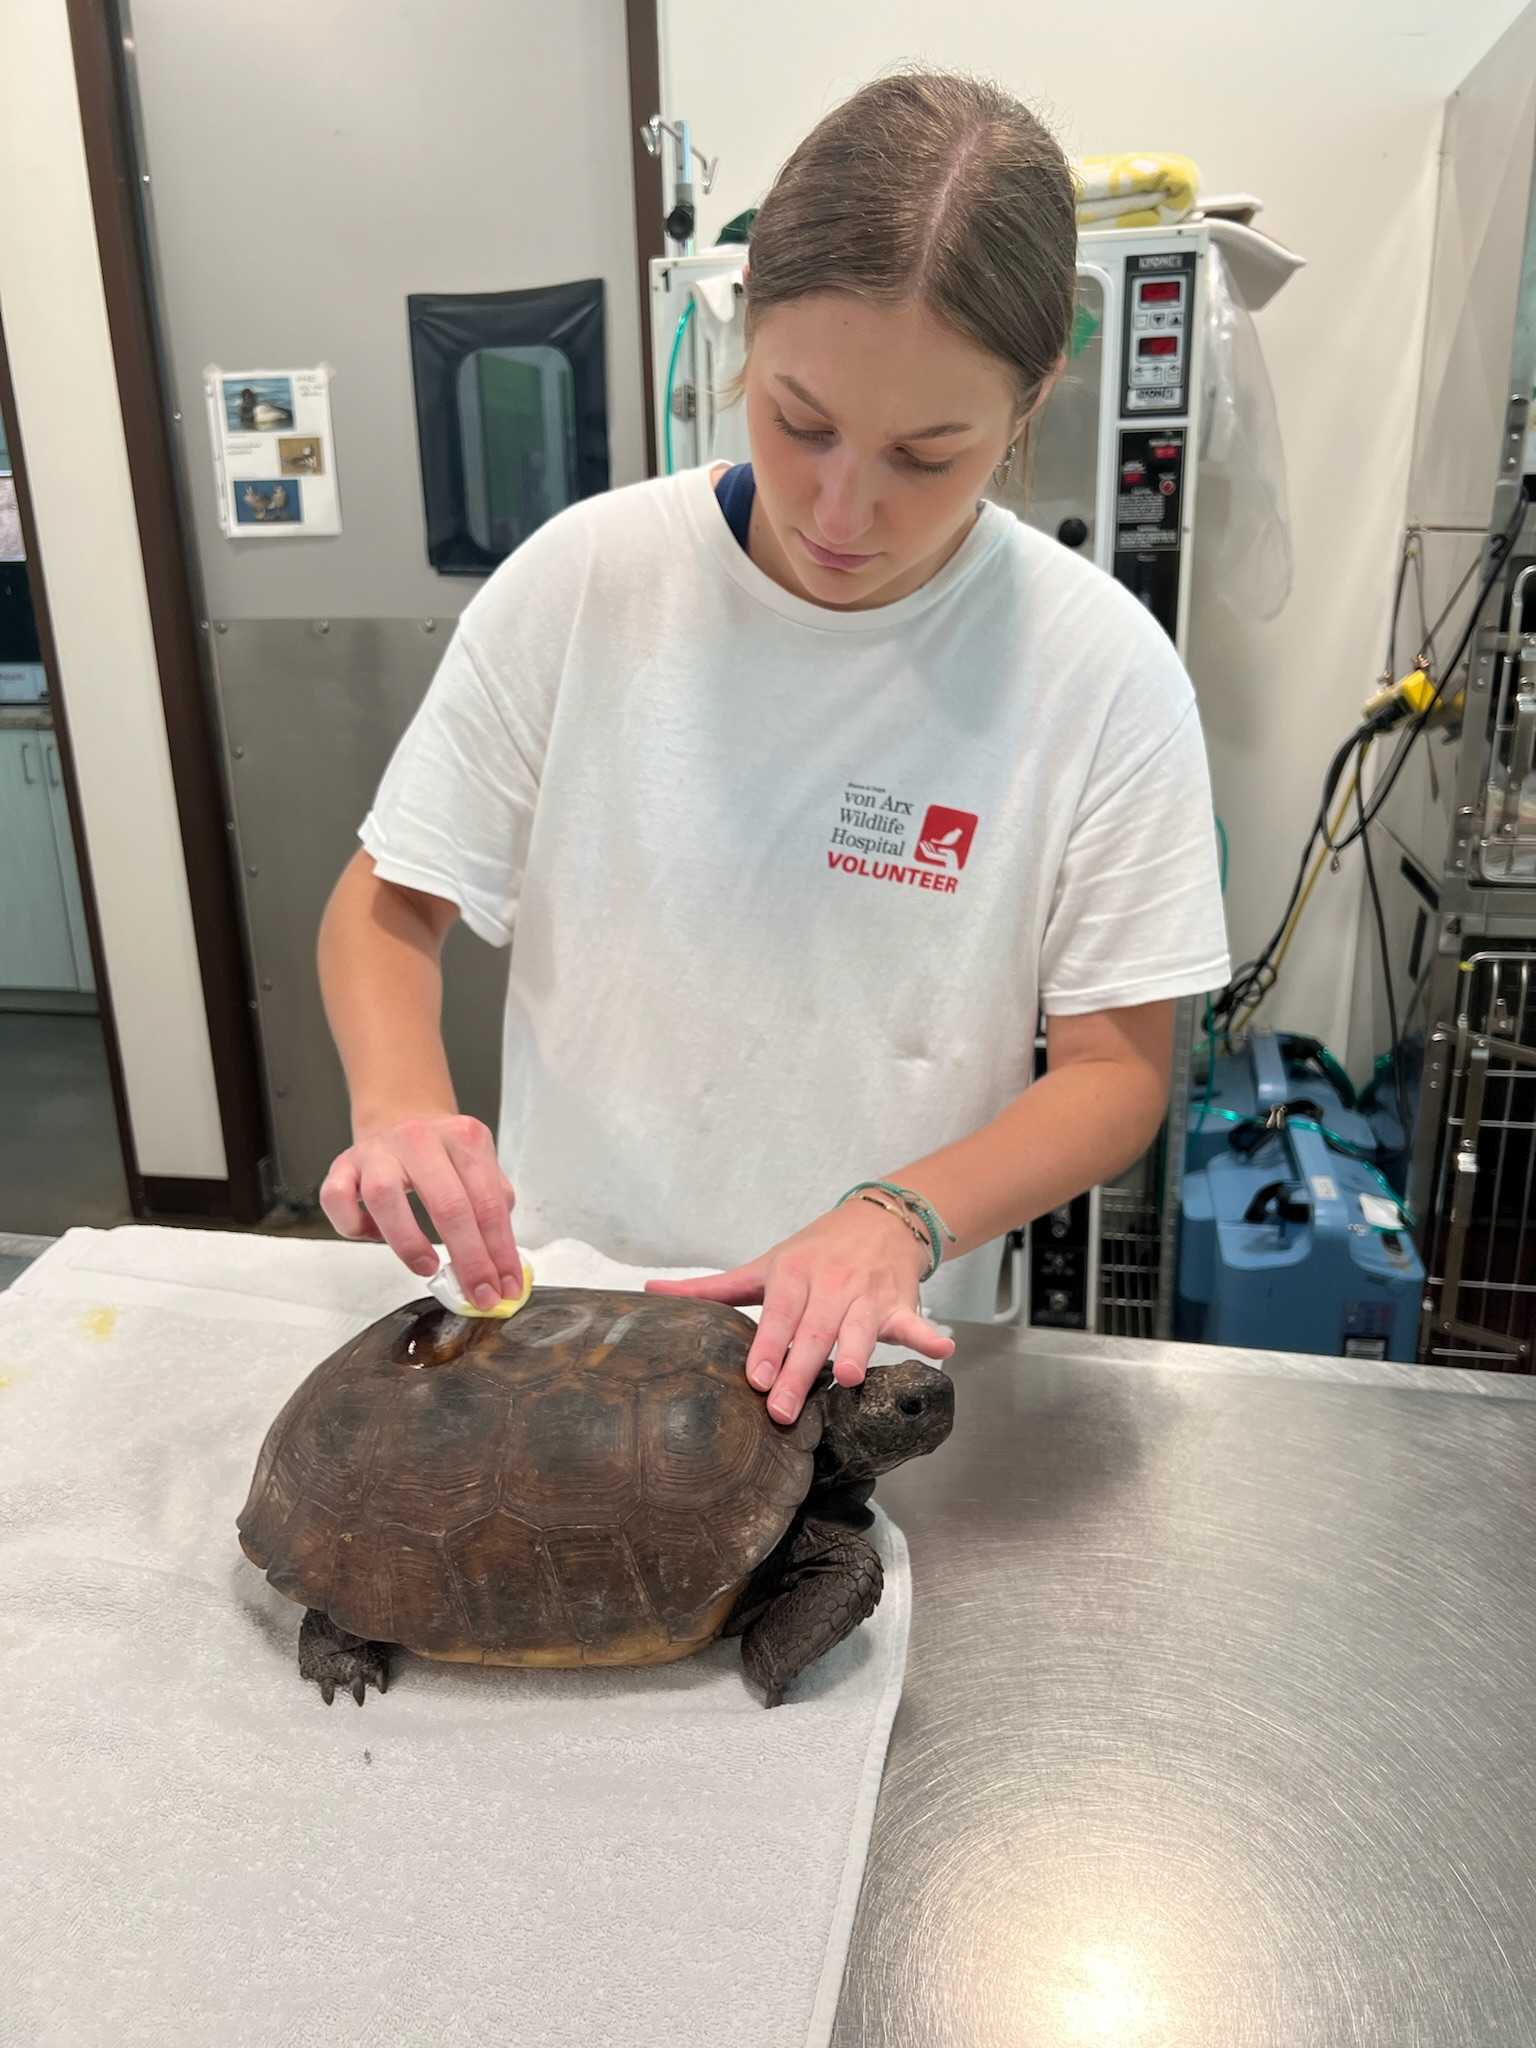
x,y
797,791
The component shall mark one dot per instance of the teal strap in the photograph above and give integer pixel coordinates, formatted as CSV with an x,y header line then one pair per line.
x,y
937,1229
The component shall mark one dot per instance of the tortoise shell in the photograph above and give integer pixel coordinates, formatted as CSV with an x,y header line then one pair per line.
x,y
589,1482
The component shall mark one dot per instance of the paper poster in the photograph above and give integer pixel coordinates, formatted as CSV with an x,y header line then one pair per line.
x,y
274,456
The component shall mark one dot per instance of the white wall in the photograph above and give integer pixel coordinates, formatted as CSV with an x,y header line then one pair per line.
x,y
82,492
1331,114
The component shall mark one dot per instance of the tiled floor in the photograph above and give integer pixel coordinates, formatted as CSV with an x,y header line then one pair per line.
x,y
60,1162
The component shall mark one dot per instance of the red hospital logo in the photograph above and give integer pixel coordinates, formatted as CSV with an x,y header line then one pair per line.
x,y
945,840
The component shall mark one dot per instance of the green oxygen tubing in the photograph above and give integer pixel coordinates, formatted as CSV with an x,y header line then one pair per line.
x,y
666,403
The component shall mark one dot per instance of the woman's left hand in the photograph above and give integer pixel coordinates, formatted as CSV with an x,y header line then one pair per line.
x,y
836,1289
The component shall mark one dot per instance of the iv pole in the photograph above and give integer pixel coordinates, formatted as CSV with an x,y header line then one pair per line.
x,y
680,220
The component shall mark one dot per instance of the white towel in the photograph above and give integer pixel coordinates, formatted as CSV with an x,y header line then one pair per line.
x,y
196,1850
720,313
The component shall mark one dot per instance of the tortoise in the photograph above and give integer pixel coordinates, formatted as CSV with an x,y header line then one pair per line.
x,y
591,1482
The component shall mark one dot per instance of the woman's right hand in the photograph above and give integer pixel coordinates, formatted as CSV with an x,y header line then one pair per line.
x,y
450,1162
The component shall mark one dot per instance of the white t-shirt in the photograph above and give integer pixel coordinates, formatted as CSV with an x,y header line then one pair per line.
x,y
786,887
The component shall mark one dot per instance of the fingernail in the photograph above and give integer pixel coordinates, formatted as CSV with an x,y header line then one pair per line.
x,y
486,1297
782,1410
426,1266
762,1376
511,1286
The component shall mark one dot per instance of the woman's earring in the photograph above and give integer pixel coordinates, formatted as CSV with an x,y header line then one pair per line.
x,y
1004,469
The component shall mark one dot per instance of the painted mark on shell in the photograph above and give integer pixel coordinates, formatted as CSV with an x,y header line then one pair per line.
x,y
574,1324
99,1323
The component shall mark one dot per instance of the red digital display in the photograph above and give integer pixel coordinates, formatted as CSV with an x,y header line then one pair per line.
x,y
1157,345
1159,291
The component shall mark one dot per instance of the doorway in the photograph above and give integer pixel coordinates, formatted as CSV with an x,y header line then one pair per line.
x,y
61,1158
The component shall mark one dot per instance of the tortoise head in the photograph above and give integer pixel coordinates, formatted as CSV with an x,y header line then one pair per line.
x,y
901,1411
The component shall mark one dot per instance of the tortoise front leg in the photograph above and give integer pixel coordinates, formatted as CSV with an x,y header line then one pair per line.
x,y
331,1656
830,1580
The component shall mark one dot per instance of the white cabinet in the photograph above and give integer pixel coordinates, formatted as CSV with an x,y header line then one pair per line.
x,y
42,920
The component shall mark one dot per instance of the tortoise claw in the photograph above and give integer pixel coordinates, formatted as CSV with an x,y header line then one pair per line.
x,y
333,1657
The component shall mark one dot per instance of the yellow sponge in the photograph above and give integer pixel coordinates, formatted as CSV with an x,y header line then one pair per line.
x,y
506,1308
445,1287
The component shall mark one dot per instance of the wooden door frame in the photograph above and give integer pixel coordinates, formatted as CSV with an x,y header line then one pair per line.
x,y
643,35
96,34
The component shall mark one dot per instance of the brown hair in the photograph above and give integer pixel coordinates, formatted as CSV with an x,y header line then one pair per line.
x,y
937,187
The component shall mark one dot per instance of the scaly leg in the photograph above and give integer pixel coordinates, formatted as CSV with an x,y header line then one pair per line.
x,y
830,1579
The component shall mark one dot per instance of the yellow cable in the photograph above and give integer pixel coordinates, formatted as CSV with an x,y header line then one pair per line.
x,y
1323,853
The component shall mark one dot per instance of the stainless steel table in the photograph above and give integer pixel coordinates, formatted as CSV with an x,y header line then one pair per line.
x,y
1219,1728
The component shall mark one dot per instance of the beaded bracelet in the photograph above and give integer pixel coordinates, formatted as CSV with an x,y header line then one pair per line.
x,y
932,1222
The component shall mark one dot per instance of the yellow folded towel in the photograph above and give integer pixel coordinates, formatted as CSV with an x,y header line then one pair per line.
x,y
1140,189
